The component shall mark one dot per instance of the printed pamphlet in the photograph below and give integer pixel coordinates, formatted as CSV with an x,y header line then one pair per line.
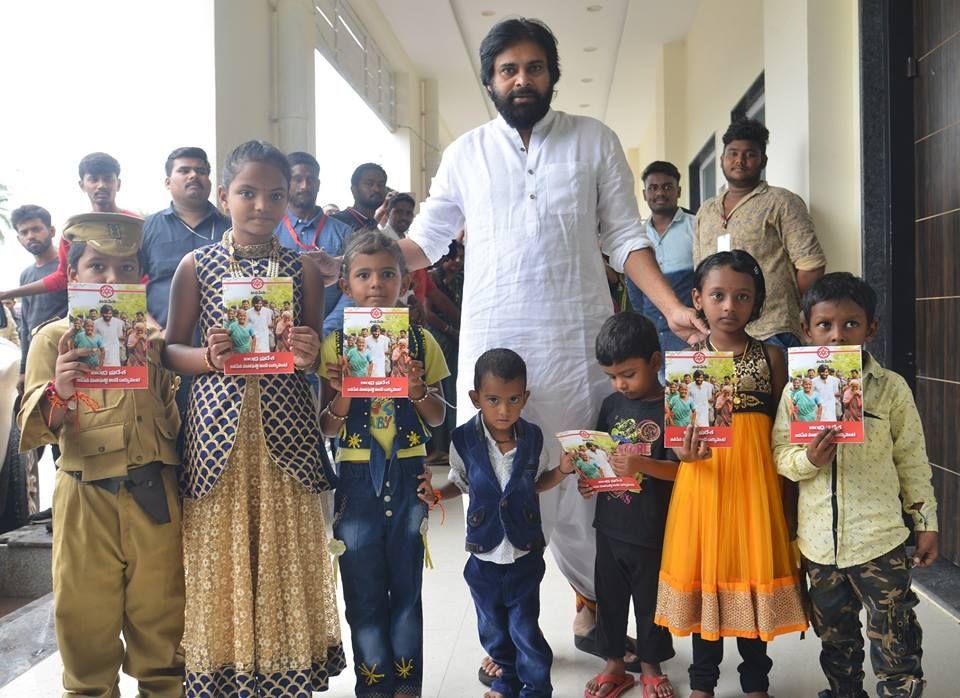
x,y
826,389
377,352
591,451
701,389
259,317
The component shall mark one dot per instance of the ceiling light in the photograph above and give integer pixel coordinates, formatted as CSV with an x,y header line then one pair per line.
x,y
487,13
586,79
589,49
594,8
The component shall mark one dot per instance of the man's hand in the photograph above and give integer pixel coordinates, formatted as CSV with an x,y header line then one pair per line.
x,y
425,489
416,388
693,448
685,323
305,344
220,346
326,266
822,450
928,548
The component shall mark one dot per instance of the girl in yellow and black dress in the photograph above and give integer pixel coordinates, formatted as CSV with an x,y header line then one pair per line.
x,y
261,614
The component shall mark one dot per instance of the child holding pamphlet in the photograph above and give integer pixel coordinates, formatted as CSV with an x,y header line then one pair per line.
x,y
261,612
379,519
495,458
852,498
629,525
727,568
117,560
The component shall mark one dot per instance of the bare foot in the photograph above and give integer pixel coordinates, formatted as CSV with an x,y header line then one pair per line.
x,y
700,694
490,667
404,695
493,694
758,694
584,622
613,667
665,689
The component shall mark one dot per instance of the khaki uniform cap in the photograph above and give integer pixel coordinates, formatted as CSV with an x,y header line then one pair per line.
x,y
114,234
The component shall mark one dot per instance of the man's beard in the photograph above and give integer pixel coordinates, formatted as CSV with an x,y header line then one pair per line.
x,y
522,116
303,200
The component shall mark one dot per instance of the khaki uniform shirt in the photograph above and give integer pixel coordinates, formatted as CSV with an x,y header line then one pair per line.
x,y
773,225
128,428
871,477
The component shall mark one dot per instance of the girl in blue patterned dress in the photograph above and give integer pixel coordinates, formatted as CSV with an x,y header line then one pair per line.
x,y
379,517
261,614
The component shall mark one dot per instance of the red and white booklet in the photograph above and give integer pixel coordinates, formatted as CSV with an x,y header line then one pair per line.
x,y
700,391
111,320
377,349
826,390
591,451
259,317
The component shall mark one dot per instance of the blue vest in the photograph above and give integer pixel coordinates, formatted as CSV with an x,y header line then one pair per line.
x,y
513,511
411,431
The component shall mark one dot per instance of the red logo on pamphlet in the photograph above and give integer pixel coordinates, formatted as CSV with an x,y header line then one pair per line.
x,y
376,313
106,291
823,352
699,357
584,434
256,283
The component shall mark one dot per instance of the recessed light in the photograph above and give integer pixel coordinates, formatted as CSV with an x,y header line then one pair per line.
x,y
594,8
586,79
487,13
584,106
589,49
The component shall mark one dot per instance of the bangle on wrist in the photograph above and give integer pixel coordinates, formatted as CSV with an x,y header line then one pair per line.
x,y
329,410
418,400
208,362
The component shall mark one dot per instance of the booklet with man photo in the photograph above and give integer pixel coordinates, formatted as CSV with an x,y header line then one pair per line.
x,y
112,320
377,352
259,317
700,390
826,390
591,451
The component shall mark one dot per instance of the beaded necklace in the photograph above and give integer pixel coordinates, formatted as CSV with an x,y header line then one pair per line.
x,y
269,249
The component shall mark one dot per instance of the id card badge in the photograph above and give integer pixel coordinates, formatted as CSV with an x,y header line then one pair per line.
x,y
723,243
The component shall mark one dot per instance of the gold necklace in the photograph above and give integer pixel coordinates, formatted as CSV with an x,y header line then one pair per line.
x,y
256,251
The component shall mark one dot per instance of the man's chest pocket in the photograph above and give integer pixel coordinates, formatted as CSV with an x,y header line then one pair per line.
x,y
566,185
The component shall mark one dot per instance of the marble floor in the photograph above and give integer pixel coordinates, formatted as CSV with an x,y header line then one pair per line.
x,y
452,650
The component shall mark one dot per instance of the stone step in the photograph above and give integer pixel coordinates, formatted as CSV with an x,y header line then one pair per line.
x,y
26,638
25,562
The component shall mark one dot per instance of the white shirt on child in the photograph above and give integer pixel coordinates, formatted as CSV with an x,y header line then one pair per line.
x,y
505,553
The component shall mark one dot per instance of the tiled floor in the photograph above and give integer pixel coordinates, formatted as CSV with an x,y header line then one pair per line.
x,y
453,651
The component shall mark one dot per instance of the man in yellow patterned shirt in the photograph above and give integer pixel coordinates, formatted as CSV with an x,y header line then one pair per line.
x,y
770,223
851,530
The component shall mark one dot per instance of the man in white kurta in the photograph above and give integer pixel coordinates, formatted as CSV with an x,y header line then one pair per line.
x,y
110,329
702,393
377,344
260,318
828,388
541,205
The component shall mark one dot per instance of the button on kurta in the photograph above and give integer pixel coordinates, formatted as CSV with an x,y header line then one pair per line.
x,y
386,498
388,513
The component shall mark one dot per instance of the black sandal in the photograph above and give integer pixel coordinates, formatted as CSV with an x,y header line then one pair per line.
x,y
485,678
588,643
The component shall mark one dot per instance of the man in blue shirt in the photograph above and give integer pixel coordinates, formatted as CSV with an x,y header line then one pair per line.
x,y
190,221
670,229
306,228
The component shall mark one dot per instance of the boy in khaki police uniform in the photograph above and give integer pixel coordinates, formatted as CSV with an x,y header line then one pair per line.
x,y
117,558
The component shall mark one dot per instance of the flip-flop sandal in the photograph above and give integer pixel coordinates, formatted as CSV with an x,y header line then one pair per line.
x,y
621,684
653,683
485,678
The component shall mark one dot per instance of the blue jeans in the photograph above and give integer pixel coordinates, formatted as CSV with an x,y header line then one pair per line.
x,y
681,283
507,598
784,340
382,571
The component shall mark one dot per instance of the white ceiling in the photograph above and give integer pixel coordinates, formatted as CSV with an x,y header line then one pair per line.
x,y
442,39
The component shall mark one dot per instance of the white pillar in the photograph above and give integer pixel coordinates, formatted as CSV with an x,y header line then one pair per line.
x,y
296,83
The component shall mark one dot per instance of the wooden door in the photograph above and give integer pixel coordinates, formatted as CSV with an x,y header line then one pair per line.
x,y
936,60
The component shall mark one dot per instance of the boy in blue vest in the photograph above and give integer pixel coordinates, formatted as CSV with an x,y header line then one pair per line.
x,y
495,458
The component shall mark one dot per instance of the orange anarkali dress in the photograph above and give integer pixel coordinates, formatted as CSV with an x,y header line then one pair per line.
x,y
728,569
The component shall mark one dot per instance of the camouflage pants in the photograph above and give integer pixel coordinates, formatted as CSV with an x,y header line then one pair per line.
x,y
882,586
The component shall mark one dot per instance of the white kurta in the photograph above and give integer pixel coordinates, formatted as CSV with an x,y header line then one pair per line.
x,y
827,390
110,333
534,281
702,399
378,351
260,322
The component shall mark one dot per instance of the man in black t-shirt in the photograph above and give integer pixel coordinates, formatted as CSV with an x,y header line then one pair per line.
x,y
629,525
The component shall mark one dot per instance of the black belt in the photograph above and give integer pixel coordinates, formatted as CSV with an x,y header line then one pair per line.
x,y
145,485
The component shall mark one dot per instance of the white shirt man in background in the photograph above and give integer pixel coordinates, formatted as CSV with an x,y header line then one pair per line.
x,y
828,388
377,345
702,394
260,318
110,329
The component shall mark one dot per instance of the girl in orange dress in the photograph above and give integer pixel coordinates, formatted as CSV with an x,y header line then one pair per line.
x,y
728,569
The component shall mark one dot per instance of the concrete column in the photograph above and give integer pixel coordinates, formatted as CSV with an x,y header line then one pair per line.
x,y
296,83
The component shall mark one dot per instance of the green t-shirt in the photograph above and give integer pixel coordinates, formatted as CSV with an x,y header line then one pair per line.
x,y
84,342
682,409
241,336
806,406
